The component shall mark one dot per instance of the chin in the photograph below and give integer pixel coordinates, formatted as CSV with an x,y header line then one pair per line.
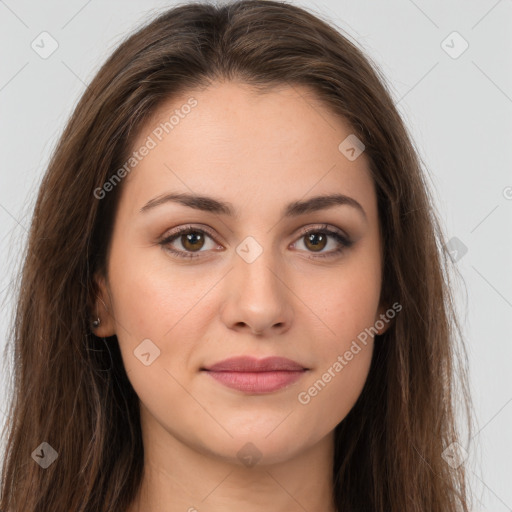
x,y
251,447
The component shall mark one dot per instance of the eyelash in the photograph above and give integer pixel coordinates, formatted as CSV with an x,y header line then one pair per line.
x,y
344,242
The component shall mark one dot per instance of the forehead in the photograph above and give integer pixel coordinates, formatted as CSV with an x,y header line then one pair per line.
x,y
231,141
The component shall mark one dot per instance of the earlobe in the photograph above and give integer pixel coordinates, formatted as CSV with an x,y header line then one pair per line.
x,y
101,318
382,320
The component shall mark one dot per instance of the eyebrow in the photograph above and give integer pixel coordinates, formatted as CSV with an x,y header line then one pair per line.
x,y
216,206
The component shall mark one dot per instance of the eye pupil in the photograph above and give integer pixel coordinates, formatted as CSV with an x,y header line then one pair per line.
x,y
190,239
318,240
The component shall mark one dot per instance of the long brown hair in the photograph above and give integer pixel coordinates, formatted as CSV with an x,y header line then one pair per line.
x,y
69,387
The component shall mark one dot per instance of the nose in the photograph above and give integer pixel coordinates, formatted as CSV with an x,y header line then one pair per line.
x,y
257,298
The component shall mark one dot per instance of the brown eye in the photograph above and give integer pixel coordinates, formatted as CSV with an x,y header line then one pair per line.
x,y
320,238
193,241
188,242
316,241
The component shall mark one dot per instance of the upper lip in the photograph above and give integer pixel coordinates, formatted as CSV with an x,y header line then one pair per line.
x,y
252,364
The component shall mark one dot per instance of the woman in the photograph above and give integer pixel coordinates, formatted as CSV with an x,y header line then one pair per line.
x,y
233,295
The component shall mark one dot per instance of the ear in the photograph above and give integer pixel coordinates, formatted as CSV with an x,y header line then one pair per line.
x,y
382,320
101,307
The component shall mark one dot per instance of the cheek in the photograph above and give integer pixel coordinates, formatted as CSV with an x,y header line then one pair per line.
x,y
348,310
333,390
347,304
152,300
153,296
346,300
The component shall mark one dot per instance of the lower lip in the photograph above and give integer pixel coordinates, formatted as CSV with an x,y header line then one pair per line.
x,y
257,382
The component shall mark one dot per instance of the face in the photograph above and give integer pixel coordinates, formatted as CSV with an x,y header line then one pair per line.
x,y
261,271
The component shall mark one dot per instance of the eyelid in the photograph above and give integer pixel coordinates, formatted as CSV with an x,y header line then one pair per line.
x,y
189,227
324,227
303,231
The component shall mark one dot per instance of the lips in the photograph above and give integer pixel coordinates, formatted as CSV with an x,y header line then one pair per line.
x,y
256,376
251,364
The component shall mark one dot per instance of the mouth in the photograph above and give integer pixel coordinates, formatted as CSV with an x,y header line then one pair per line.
x,y
252,375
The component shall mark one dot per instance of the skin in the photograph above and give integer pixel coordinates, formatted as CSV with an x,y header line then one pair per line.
x,y
257,152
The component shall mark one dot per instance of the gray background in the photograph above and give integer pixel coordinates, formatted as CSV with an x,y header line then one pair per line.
x,y
459,111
